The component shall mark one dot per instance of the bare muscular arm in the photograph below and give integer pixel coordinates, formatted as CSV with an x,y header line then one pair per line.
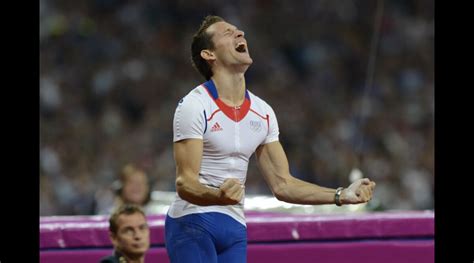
x,y
188,156
274,166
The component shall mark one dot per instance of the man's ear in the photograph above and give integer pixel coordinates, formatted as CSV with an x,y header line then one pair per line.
x,y
208,55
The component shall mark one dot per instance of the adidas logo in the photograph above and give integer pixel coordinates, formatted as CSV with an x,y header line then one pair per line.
x,y
216,127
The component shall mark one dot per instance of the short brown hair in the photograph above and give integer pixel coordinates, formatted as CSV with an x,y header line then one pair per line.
x,y
126,209
202,40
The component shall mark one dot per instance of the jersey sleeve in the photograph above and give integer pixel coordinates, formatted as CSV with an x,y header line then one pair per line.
x,y
188,121
273,130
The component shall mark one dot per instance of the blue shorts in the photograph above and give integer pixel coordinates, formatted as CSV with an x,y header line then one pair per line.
x,y
207,238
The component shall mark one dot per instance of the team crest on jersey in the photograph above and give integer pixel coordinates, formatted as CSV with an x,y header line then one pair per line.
x,y
216,127
256,126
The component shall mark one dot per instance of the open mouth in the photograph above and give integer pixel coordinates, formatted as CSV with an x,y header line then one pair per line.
x,y
241,48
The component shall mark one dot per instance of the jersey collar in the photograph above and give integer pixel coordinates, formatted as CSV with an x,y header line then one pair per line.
x,y
234,113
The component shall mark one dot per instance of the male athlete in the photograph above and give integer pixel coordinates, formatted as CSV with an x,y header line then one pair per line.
x,y
217,127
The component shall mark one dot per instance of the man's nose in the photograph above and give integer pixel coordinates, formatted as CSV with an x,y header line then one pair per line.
x,y
138,235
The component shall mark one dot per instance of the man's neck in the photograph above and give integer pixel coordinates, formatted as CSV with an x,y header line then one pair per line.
x,y
131,259
140,260
135,260
230,87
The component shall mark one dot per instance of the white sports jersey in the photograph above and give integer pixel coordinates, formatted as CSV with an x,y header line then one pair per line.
x,y
230,136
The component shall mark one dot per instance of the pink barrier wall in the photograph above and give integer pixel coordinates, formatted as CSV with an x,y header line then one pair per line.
x,y
359,237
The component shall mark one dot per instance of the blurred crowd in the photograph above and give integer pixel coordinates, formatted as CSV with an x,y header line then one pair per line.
x,y
112,72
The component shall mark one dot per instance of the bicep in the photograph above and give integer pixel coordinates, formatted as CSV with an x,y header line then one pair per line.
x,y
188,129
273,164
188,155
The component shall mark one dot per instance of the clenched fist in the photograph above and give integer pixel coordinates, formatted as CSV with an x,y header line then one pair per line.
x,y
231,191
358,192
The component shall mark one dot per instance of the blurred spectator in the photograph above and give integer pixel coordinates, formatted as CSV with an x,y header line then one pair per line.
x,y
132,187
112,72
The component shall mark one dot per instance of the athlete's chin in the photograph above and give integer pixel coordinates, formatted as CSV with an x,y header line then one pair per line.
x,y
244,58
247,61
243,66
